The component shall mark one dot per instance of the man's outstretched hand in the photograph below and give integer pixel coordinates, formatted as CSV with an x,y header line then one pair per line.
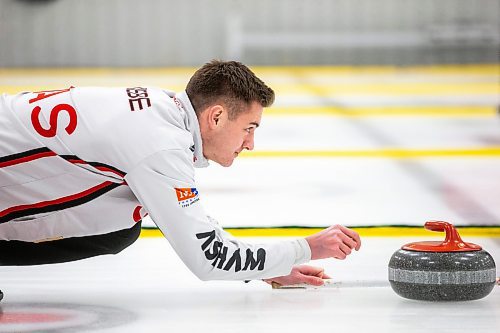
x,y
334,242
301,274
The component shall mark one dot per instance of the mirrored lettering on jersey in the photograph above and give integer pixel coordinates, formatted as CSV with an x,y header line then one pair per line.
x,y
40,123
138,98
216,252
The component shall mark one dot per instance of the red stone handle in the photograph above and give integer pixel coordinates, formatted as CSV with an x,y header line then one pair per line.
x,y
452,241
451,233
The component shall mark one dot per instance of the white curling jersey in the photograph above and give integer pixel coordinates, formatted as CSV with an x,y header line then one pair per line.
x,y
87,161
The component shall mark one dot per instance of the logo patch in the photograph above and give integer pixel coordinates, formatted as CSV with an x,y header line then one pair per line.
x,y
186,196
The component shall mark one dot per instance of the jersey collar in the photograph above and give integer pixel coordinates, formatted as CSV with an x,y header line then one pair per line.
x,y
194,127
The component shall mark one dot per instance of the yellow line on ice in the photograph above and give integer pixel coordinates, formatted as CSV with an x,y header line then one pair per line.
x,y
477,69
412,111
472,69
379,153
376,89
492,232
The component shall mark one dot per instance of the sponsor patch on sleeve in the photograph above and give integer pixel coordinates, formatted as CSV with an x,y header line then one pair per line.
x,y
186,196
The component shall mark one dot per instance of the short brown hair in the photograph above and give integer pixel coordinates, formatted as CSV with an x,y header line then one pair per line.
x,y
230,83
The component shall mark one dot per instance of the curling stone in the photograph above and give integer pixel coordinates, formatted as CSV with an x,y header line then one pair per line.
x,y
451,270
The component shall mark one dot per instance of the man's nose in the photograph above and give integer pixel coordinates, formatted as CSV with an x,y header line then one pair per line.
x,y
248,143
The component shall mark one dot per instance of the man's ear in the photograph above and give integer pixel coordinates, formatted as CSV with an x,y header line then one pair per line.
x,y
215,114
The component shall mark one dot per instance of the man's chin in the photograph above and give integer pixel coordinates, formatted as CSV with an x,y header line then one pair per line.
x,y
225,163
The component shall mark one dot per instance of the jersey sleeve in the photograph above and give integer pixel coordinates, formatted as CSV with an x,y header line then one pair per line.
x,y
164,184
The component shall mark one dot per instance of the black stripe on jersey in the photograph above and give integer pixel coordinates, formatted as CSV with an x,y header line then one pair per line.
x,y
59,204
24,154
100,166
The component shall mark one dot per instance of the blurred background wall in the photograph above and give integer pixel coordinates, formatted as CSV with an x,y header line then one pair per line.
x,y
148,33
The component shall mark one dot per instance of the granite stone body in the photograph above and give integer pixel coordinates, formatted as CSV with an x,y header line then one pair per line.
x,y
442,276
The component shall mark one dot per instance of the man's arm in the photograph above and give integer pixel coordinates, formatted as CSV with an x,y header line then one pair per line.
x,y
164,184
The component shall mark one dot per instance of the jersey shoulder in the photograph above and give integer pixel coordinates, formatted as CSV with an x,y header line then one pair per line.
x,y
128,124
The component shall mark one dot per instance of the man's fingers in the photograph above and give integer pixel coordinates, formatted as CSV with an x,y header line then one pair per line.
x,y
353,234
318,273
340,255
311,270
349,241
345,249
313,280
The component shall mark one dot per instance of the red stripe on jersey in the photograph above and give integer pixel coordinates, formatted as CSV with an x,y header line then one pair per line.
x,y
61,200
99,166
103,168
25,157
74,160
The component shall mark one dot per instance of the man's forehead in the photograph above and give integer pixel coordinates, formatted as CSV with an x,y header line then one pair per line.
x,y
253,115
252,119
